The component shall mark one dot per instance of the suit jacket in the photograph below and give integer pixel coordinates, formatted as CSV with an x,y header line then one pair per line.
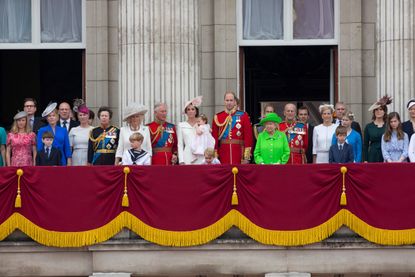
x,y
72,123
309,152
341,156
54,157
38,123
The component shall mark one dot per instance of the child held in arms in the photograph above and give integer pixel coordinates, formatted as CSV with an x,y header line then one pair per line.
x,y
136,155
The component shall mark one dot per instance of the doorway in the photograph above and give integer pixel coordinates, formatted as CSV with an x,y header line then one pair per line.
x,y
280,74
46,75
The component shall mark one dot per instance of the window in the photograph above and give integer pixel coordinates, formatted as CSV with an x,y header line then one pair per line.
x,y
288,22
44,24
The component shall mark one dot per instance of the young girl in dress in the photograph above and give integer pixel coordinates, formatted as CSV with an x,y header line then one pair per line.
x,y
395,141
203,138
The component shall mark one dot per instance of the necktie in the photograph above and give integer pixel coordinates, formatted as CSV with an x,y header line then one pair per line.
x,y
340,147
31,122
47,152
64,124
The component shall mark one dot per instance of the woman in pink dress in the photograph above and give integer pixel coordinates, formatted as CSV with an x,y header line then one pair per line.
x,y
21,143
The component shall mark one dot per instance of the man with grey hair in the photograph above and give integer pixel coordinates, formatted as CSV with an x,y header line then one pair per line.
x,y
163,137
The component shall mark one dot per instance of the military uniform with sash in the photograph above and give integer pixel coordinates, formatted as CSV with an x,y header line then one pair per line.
x,y
163,141
102,145
297,137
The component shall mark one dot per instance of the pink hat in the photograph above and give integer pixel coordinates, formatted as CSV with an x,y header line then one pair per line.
x,y
196,102
83,109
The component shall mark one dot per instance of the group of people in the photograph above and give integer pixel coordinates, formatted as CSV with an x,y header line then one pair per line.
x,y
65,136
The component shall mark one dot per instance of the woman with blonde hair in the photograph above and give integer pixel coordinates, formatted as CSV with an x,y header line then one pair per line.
x,y
323,134
21,142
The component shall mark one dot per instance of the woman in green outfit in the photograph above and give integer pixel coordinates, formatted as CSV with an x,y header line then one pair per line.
x,y
372,150
272,145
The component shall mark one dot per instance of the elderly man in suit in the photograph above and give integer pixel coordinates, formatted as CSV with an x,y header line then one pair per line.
x,y
65,120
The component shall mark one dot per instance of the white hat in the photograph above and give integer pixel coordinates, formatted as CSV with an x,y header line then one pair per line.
x,y
326,106
196,102
50,108
20,115
410,104
132,109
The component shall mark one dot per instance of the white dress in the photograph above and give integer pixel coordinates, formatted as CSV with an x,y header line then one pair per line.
x,y
124,140
186,133
202,141
322,138
78,138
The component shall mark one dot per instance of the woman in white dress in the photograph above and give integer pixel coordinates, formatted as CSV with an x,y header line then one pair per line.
x,y
186,133
133,114
323,135
79,136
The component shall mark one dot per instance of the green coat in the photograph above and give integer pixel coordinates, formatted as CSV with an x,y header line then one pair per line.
x,y
272,149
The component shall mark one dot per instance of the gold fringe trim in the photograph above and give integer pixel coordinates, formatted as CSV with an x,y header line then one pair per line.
x,y
204,235
377,235
290,238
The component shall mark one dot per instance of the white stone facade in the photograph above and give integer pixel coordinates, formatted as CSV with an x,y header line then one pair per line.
x,y
153,50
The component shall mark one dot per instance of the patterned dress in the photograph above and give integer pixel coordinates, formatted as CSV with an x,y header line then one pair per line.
x,y
21,145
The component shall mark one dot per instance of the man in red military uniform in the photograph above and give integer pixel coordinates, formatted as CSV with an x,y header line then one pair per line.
x,y
163,137
297,136
232,131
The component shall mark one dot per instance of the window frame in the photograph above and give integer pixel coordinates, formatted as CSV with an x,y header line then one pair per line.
x,y
36,33
288,38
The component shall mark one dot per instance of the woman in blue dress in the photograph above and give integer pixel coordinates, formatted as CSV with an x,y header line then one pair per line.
x,y
353,138
394,141
61,139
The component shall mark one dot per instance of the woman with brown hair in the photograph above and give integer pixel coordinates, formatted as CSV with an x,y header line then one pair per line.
x,y
372,151
21,143
395,141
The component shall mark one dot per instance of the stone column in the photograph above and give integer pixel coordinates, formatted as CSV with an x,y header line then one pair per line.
x,y
158,53
395,52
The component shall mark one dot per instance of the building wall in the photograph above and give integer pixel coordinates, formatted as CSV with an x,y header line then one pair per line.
x,y
219,55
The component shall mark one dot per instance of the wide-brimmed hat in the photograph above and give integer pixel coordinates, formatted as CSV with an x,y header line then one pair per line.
x,y
50,108
196,102
271,117
132,109
20,115
382,102
410,104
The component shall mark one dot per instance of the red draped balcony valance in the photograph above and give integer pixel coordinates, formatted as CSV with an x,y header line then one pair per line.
x,y
191,205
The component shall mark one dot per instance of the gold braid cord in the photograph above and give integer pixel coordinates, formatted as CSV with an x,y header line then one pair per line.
x,y
156,133
227,121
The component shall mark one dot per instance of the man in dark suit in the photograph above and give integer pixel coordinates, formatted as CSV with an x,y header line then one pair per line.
x,y
49,155
341,110
341,152
65,120
30,107
303,115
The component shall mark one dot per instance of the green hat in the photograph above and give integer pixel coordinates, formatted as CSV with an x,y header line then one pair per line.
x,y
271,117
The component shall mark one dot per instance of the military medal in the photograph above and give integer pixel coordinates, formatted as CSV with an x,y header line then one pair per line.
x,y
238,133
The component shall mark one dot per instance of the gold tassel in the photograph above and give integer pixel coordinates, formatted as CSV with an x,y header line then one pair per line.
x,y
235,201
125,201
343,199
18,201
